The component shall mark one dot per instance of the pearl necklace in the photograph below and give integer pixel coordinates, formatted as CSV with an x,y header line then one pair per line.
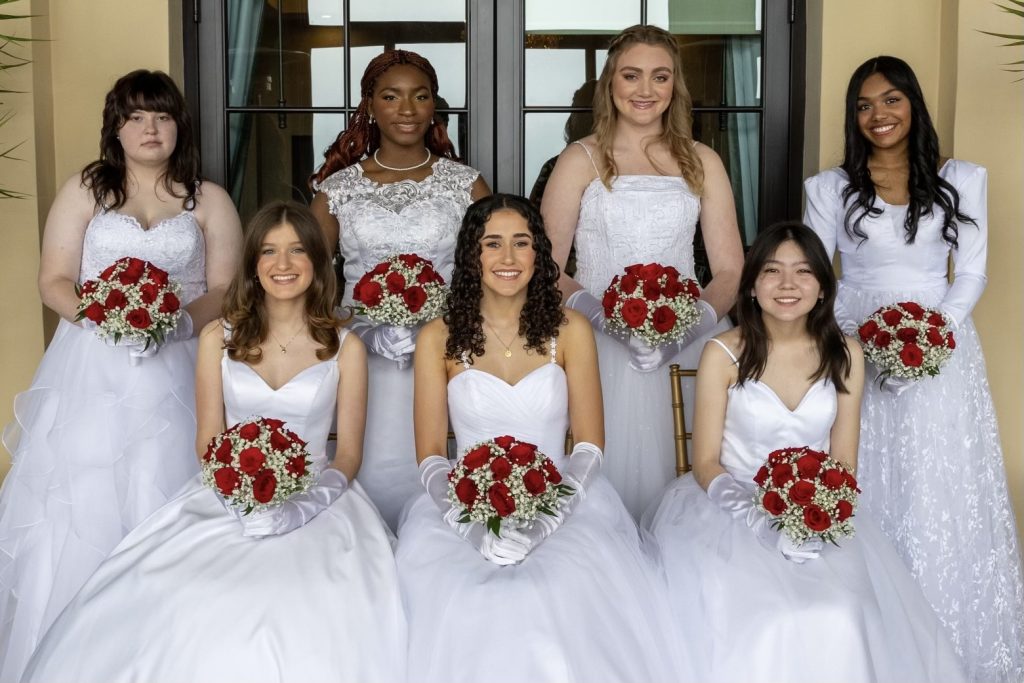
x,y
396,168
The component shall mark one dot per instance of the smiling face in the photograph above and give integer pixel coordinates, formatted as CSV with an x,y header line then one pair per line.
x,y
283,267
883,113
642,84
506,254
786,287
403,105
148,137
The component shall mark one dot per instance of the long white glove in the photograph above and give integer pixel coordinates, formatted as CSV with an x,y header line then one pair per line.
x,y
182,330
892,385
593,310
299,509
390,341
646,358
509,548
735,500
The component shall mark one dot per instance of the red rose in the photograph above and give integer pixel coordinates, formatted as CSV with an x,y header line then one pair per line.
x,y
224,452
535,482
501,468
911,355
633,269
227,480
504,442
832,478
936,319
634,312
116,299
500,497
94,312
883,339
410,260
628,284
762,476
296,466
867,330
466,492
816,519
802,492
139,318
477,458
426,276
522,453
609,301
273,422
892,317
279,442
251,460
782,474
671,274
808,466
672,289
693,289
170,303
395,282
380,268
844,510
906,334
651,271
107,272
414,298
88,287
775,457
249,431
263,486
915,310
950,342
148,292
818,455
131,274
652,290
773,503
370,294
851,481
295,438
664,319
933,336
551,472
157,276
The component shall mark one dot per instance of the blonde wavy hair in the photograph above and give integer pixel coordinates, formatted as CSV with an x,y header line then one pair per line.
x,y
676,122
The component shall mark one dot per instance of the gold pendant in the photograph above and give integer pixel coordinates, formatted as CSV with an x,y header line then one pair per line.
x,y
508,353
283,349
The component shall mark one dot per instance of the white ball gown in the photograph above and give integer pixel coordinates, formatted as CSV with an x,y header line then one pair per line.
x,y
951,522
854,614
378,221
643,219
97,443
186,597
582,607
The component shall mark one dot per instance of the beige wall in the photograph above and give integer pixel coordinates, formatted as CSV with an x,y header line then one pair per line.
x,y
979,113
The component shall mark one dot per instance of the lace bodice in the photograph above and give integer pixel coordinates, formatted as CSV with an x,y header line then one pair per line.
x,y
175,244
378,221
645,218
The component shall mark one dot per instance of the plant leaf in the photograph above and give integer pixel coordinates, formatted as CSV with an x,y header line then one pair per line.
x,y
1018,12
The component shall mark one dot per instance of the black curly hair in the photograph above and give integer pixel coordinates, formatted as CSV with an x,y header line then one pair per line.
x,y
541,315
926,187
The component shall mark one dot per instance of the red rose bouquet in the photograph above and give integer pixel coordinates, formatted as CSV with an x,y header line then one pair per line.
x,y
652,302
504,480
257,464
132,300
807,493
403,290
907,340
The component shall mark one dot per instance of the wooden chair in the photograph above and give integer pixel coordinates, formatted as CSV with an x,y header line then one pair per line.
x,y
676,375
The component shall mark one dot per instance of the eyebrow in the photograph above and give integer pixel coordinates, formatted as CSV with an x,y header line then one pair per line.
x,y
654,70
396,88
795,263
498,237
887,92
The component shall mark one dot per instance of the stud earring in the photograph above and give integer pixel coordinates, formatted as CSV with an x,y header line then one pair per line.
x,y
372,120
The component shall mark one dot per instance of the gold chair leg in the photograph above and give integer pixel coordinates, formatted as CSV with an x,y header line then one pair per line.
x,y
676,375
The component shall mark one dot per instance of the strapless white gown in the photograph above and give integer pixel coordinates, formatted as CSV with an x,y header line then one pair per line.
x,y
186,597
378,221
583,607
97,444
854,615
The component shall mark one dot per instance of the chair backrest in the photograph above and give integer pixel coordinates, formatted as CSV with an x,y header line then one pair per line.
x,y
676,375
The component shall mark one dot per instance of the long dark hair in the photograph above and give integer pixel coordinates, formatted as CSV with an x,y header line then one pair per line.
x,y
925,186
362,137
142,90
541,315
834,358
243,308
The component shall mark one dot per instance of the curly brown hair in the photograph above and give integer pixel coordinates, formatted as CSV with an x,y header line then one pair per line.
x,y
243,310
542,314
362,137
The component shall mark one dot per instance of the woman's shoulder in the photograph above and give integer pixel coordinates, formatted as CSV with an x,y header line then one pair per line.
x,y
830,181
958,172
434,332
455,172
341,181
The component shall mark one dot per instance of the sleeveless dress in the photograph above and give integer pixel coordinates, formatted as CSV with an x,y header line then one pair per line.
x,y
643,219
378,221
97,443
951,522
583,607
854,614
186,597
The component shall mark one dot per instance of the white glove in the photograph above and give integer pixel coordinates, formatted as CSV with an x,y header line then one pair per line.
x,y
510,548
646,358
738,502
892,385
299,509
593,310
391,342
182,331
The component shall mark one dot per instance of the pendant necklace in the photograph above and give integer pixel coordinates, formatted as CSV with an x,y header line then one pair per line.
x,y
284,347
396,168
508,347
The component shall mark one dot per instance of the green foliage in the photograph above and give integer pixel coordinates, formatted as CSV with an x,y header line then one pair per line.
x,y
1016,8
10,59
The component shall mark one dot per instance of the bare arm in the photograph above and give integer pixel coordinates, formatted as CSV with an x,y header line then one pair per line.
x,y
714,375
222,231
845,435
721,233
430,406
579,354
61,258
351,406
209,388
328,223
561,207
479,189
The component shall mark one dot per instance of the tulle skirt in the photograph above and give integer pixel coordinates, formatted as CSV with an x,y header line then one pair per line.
x,y
852,615
585,606
186,597
97,445
931,467
638,420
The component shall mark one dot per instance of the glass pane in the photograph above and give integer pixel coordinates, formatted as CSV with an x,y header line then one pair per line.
x,y
581,16
545,136
737,139
722,70
696,17
285,53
